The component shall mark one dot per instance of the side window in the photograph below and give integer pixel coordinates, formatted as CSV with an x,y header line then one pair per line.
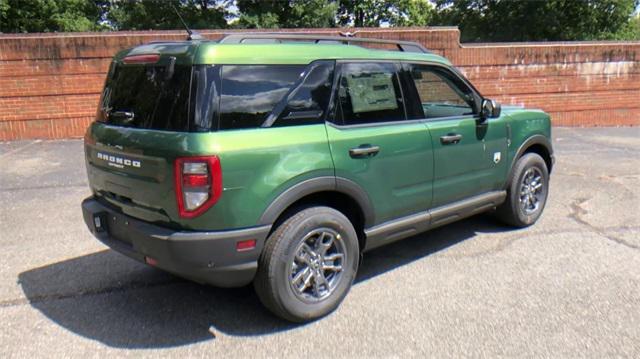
x,y
441,93
308,102
249,93
205,89
369,93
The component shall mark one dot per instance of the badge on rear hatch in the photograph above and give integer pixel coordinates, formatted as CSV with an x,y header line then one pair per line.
x,y
118,162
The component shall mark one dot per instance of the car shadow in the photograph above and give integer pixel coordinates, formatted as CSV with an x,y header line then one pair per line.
x,y
137,306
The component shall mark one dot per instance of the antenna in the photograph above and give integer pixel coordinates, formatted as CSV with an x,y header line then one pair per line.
x,y
192,34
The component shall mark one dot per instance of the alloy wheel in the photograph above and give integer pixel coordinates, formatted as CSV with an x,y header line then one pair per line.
x,y
531,190
317,265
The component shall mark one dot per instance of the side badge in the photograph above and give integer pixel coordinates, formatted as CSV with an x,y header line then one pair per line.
x,y
496,157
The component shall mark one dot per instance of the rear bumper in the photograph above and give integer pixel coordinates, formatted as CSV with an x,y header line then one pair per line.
x,y
207,257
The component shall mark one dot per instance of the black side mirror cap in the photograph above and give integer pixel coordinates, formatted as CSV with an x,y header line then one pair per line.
x,y
490,108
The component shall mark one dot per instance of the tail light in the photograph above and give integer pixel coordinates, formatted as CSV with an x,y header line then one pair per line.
x,y
198,182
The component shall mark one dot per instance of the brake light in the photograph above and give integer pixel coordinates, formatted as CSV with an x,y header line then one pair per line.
x,y
141,59
198,184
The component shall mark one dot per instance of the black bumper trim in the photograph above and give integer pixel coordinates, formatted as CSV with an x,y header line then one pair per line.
x,y
206,257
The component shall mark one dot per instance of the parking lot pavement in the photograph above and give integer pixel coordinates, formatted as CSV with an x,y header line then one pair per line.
x,y
567,286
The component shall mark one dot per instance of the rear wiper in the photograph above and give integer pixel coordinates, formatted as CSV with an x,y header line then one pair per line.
x,y
125,116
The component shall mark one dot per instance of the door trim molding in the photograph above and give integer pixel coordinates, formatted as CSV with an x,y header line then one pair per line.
x,y
407,226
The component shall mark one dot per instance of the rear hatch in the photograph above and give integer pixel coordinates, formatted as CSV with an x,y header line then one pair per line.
x,y
143,123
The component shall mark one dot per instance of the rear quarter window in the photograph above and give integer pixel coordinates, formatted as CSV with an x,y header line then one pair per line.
x,y
249,93
308,101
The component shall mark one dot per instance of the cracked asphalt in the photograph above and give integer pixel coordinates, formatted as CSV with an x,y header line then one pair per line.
x,y
568,286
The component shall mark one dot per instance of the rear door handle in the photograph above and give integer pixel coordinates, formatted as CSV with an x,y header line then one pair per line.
x,y
364,151
451,138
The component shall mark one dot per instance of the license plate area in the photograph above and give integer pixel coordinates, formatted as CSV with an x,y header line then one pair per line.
x,y
116,226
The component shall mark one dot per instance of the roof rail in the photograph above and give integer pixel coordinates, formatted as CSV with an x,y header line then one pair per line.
x,y
406,46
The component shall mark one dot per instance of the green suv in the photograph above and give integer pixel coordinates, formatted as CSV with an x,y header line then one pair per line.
x,y
280,159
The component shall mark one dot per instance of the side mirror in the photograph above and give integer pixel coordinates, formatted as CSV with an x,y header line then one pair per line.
x,y
490,109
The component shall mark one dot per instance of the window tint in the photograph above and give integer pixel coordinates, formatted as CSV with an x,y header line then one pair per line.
x,y
308,103
370,93
249,93
205,96
147,96
441,93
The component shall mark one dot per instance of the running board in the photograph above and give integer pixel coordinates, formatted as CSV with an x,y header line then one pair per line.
x,y
423,221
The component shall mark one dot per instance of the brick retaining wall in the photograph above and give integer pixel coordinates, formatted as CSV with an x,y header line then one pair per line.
x,y
50,83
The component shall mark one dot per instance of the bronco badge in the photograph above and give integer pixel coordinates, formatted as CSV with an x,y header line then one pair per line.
x,y
118,162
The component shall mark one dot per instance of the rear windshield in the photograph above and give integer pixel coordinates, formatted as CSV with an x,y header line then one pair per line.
x,y
147,96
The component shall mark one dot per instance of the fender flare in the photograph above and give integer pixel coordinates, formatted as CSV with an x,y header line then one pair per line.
x,y
315,185
533,140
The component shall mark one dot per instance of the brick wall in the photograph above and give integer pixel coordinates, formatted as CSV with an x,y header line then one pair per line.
x,y
50,83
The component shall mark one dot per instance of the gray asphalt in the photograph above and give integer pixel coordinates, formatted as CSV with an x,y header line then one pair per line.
x,y
568,286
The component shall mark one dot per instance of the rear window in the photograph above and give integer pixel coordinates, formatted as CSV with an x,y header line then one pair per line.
x,y
147,96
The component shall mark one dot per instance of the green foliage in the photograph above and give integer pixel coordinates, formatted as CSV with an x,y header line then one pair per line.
x,y
500,20
159,14
267,20
48,15
373,13
312,13
479,20
367,13
631,31
256,14
4,9
411,13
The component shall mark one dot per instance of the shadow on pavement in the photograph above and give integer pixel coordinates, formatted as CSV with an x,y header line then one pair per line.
x,y
140,307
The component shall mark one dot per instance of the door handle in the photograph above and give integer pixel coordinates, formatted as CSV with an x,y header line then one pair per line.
x,y
364,151
451,138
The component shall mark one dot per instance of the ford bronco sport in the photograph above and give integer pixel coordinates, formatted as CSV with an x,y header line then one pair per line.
x,y
279,159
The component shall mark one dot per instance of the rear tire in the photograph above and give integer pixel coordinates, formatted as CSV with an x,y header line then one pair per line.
x,y
308,264
527,192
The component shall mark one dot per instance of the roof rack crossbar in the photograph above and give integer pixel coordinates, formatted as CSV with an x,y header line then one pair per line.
x,y
406,46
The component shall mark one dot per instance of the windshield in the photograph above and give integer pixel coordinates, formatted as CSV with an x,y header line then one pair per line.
x,y
147,96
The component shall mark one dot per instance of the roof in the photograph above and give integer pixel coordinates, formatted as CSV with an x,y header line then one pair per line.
x,y
302,53
212,52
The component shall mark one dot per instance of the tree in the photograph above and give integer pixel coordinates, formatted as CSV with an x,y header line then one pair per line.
x,y
48,15
500,20
286,13
631,31
312,13
411,13
366,13
160,14
330,13
373,13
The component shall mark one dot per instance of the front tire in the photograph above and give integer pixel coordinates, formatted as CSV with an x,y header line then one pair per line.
x,y
308,264
527,192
